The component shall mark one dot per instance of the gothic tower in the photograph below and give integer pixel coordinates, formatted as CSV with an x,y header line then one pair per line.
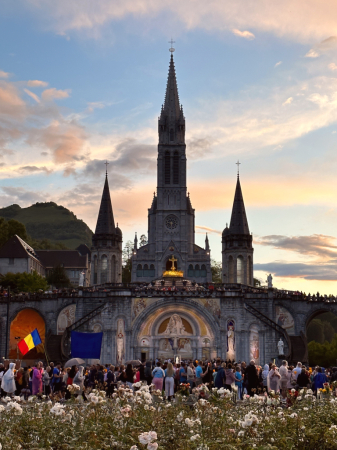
x,y
171,216
237,245
106,251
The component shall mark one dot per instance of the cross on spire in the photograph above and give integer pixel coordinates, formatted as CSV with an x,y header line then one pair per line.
x,y
171,49
106,168
238,164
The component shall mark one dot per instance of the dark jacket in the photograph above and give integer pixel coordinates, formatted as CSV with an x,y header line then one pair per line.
x,y
252,376
219,379
303,380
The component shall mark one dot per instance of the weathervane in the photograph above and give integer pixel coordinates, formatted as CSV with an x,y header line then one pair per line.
x,y
238,164
171,49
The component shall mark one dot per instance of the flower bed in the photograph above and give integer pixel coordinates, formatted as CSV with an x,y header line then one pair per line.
x,y
133,421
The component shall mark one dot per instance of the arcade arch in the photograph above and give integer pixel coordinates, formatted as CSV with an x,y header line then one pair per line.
x,y
175,331
23,324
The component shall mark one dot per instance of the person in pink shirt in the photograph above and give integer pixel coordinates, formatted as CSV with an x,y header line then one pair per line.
x,y
37,379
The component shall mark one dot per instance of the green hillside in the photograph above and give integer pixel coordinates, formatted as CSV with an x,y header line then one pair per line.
x,y
50,221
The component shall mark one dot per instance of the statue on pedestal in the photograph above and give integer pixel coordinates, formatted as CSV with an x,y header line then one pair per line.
x,y
280,346
270,281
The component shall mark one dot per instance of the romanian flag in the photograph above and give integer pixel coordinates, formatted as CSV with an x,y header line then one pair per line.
x,y
29,342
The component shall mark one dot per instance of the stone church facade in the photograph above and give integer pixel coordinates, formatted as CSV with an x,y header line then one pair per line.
x,y
232,321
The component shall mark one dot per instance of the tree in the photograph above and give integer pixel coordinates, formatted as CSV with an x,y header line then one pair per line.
x,y
127,262
257,282
216,269
142,240
24,282
16,227
58,277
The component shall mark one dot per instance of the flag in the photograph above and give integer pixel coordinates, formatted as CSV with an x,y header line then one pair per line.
x,y
86,345
29,342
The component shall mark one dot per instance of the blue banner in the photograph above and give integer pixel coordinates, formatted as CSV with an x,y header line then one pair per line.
x,y
86,345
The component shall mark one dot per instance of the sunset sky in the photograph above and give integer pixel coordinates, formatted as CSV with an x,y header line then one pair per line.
x,y
83,81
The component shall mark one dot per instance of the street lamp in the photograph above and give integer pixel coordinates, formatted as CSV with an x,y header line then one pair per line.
x,y
17,338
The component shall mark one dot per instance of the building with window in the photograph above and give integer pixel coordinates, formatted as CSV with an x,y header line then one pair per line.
x,y
16,256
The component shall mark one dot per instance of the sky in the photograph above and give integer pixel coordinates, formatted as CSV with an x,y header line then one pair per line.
x,y
82,82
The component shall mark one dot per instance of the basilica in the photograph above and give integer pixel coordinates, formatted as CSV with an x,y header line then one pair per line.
x,y
171,249
171,309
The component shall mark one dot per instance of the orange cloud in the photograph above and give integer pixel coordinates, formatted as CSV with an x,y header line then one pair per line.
x,y
52,94
37,83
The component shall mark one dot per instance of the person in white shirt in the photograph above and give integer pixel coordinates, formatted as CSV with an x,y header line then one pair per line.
x,y
297,370
284,378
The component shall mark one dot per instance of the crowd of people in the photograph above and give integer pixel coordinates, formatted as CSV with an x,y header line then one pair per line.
x,y
250,379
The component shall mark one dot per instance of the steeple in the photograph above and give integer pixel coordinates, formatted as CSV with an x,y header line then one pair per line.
x,y
206,243
171,123
105,222
239,223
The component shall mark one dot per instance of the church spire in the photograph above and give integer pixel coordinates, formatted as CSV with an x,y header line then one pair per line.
x,y
105,222
171,124
239,223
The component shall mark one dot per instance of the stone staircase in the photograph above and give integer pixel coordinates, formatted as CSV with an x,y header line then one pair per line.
x,y
65,342
266,320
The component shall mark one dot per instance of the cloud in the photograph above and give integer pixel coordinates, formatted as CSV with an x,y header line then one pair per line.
x,y
54,94
326,272
131,155
278,64
35,169
332,66
32,95
209,230
200,147
64,138
37,83
91,19
21,196
288,101
318,245
95,105
323,47
95,169
4,74
245,34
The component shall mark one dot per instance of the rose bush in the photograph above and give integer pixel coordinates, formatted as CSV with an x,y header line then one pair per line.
x,y
134,421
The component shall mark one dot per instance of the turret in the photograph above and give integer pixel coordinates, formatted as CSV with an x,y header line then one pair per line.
x,y
237,244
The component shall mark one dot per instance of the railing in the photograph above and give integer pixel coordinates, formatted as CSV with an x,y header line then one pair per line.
x,y
67,333
265,319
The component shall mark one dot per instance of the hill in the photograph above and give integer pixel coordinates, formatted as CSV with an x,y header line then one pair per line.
x,y
51,221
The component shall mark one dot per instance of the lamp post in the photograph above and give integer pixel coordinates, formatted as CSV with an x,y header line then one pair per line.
x,y
7,321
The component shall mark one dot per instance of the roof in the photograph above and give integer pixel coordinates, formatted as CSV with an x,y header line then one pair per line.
x,y
65,258
239,223
16,247
171,105
105,222
83,250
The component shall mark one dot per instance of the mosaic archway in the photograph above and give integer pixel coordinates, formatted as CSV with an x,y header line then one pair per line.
x,y
175,330
24,323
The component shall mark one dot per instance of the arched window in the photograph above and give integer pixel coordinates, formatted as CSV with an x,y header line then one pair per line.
x,y
167,169
230,269
171,134
95,269
203,271
249,271
139,270
113,269
152,270
197,271
176,168
104,269
146,270
190,272
239,270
